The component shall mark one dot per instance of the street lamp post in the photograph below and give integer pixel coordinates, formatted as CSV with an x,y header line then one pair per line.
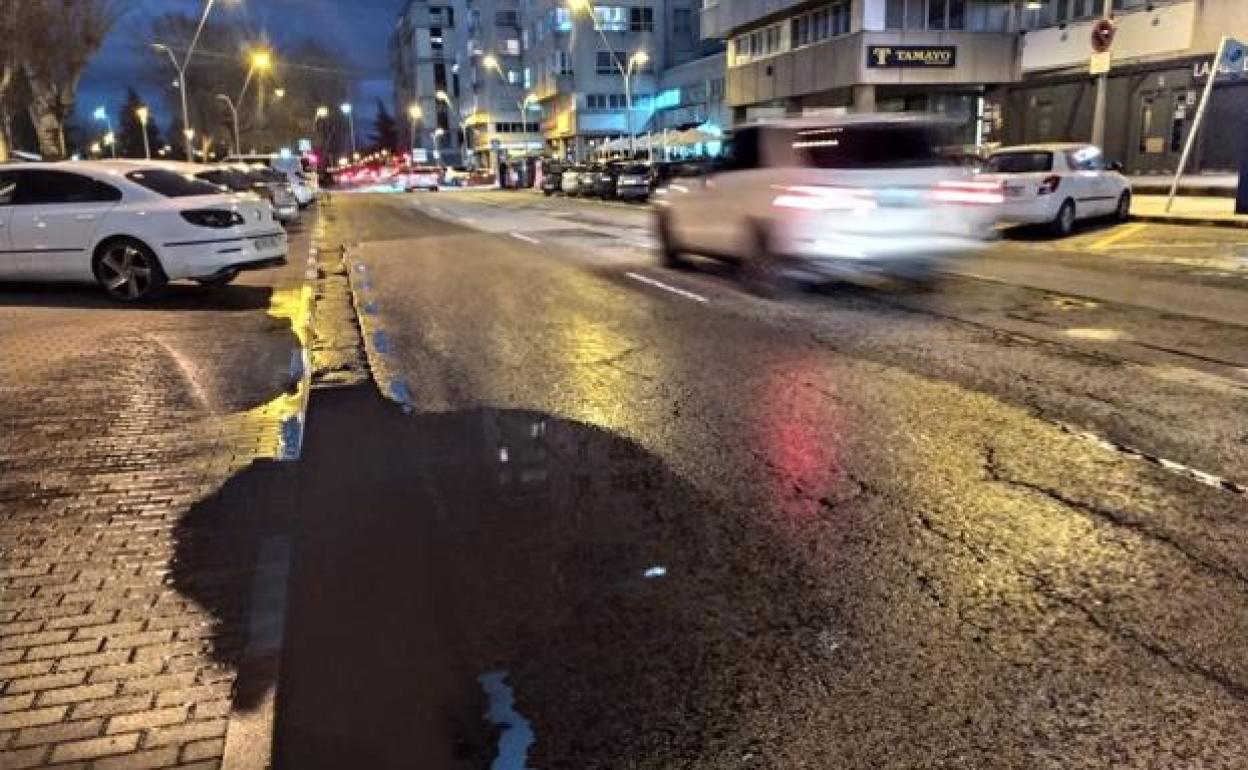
x,y
238,148
415,114
347,110
637,59
437,143
142,114
102,114
445,98
187,131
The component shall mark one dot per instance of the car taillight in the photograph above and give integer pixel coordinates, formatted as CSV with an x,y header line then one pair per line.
x,y
825,198
1049,185
985,193
216,218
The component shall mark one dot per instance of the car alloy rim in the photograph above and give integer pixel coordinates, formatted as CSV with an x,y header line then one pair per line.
x,y
125,272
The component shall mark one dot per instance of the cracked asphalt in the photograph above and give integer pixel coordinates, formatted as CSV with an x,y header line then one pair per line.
x,y
850,529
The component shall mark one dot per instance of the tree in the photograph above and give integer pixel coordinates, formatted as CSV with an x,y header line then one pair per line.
x,y
130,128
48,43
385,131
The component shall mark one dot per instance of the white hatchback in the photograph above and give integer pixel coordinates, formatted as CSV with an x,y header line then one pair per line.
x,y
130,226
1057,185
838,197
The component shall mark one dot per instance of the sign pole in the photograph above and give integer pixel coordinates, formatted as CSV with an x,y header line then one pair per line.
x,y
1200,116
1102,87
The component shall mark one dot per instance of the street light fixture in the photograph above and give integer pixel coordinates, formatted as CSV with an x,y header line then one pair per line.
x,y
415,113
347,110
101,114
445,98
437,143
181,68
142,113
238,148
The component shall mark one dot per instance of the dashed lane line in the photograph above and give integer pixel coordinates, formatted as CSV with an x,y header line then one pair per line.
x,y
666,287
523,237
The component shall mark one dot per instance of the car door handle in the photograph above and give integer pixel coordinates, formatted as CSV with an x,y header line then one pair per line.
x,y
85,217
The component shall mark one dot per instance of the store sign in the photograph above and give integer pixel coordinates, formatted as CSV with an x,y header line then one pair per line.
x,y
1234,64
916,56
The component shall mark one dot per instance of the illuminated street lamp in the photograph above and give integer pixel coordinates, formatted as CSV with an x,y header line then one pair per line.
x,y
445,98
142,113
415,113
101,114
347,110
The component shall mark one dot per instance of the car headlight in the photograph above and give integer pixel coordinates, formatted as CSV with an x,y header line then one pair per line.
x,y
216,218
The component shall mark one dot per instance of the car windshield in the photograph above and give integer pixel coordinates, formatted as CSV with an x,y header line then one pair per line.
x,y
1019,162
172,184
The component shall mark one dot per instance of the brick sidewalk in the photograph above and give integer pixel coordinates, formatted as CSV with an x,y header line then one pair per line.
x,y
114,422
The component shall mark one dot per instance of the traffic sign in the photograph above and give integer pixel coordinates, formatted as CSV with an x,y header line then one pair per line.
x,y
1103,35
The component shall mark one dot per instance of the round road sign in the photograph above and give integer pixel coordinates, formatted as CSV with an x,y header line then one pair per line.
x,y
1102,35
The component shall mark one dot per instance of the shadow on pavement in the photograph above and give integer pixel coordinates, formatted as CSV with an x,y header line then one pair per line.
x,y
437,556
178,296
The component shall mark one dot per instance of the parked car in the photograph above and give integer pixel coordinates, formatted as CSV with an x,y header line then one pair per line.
x,y
662,172
423,178
624,180
587,184
273,186
831,197
131,227
552,177
570,181
1057,185
303,185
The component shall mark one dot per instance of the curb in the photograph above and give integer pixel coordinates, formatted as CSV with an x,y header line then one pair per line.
x,y
1171,219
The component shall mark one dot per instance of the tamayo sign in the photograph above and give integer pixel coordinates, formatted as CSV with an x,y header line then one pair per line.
x,y
917,56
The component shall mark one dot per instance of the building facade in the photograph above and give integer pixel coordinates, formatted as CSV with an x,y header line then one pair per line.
x,y
428,53
1162,57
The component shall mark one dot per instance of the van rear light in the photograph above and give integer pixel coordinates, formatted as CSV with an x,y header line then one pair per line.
x,y
1049,185
825,198
975,193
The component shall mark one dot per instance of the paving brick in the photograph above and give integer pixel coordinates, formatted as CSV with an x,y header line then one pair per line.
x,y
193,694
215,708
139,669
63,650
191,731
96,747
16,702
94,660
140,760
77,694
46,682
121,704
14,759
32,717
65,731
213,748
108,630
83,619
139,640
31,640
30,668
147,719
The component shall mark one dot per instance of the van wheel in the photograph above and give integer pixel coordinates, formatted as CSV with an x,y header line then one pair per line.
x,y
128,270
1123,212
762,269
669,250
1064,223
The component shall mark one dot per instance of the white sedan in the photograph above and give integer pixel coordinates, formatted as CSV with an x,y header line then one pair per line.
x,y
130,226
1057,185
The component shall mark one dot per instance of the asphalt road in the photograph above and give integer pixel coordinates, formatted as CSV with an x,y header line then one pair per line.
x,y
639,518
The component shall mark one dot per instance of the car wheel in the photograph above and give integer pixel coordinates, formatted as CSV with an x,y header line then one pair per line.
x,y
222,279
762,269
1064,223
669,250
1123,213
128,270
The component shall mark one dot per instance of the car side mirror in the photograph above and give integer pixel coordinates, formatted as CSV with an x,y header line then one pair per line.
x,y
1116,165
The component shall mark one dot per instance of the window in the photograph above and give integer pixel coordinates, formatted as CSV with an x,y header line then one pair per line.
x,y
1085,159
435,38
1019,163
605,63
895,14
171,184
822,23
595,101
561,19
511,46
611,18
563,63
506,19
641,19
43,187
936,12
8,186
682,21
929,14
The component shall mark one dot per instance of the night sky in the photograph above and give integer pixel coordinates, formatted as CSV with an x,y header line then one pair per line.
x,y
361,28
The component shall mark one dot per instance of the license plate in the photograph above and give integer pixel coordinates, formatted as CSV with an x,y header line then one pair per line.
x,y
268,242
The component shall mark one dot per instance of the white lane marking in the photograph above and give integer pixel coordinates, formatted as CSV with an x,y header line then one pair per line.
x,y
666,287
524,237
466,219
1187,471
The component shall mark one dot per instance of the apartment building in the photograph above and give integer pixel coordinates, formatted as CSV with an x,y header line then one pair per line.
x,y
1162,58
428,51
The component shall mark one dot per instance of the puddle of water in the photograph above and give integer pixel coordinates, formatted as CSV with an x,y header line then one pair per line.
x,y
516,733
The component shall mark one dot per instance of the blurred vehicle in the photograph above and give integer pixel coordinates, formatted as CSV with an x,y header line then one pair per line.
x,y
841,197
1057,185
130,226
423,178
662,172
274,187
571,179
302,182
552,177
624,180
587,181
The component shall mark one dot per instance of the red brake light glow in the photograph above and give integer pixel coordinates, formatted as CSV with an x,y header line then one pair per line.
x,y
984,193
